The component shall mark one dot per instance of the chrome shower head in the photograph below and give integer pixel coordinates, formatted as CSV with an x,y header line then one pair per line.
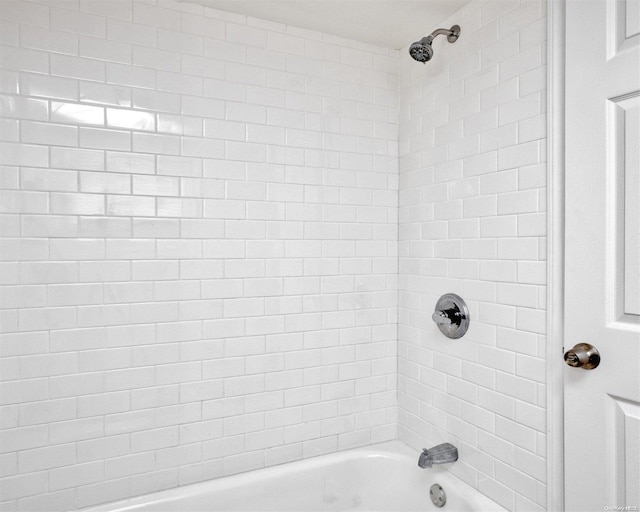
x,y
422,50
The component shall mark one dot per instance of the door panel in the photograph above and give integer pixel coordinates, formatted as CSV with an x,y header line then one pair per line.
x,y
625,436
629,274
623,19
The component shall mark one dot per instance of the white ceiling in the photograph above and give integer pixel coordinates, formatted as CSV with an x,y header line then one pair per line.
x,y
389,23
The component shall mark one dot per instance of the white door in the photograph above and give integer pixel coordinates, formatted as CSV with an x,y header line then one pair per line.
x,y
602,266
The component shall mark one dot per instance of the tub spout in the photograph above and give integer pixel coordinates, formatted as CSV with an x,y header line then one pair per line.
x,y
440,454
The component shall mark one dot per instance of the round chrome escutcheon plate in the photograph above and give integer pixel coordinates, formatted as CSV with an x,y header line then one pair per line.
x,y
438,497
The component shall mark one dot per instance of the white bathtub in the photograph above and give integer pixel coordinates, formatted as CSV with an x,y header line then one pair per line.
x,y
382,477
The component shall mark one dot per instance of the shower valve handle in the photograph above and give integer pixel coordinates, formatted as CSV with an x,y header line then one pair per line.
x,y
451,315
446,317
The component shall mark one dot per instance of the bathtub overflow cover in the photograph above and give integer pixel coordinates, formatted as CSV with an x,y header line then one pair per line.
x,y
438,496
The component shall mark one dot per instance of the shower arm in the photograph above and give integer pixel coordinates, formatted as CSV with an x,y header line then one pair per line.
x,y
452,34
441,32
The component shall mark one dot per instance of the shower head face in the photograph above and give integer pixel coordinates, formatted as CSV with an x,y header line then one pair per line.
x,y
421,51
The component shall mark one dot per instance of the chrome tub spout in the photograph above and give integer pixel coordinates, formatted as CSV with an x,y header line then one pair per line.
x,y
441,454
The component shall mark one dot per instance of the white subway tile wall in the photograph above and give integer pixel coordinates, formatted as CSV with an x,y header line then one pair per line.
x,y
472,222
199,252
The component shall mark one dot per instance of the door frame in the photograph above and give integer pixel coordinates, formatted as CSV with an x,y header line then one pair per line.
x,y
556,29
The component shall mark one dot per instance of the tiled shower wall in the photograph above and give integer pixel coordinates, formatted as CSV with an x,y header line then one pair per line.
x,y
200,247
472,222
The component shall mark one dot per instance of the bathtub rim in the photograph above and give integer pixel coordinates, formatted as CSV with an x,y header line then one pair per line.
x,y
389,449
